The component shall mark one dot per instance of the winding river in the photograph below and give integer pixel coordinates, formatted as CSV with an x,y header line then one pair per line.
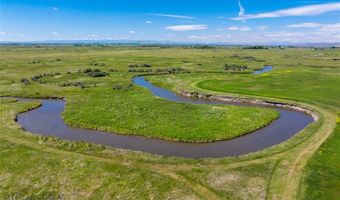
x,y
46,120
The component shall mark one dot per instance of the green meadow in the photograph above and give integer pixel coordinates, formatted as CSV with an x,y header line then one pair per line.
x,y
96,82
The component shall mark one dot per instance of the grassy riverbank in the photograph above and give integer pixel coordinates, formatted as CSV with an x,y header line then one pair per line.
x,y
137,112
323,170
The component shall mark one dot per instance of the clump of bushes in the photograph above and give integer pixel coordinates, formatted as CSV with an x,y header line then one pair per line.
x,y
98,64
82,85
35,61
174,70
133,66
56,60
137,66
39,76
113,70
95,73
119,87
146,65
25,81
141,70
235,67
247,58
116,87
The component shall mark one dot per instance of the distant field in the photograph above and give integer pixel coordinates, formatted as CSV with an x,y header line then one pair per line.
x,y
44,167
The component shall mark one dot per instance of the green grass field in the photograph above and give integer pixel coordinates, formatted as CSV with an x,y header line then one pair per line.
x,y
39,167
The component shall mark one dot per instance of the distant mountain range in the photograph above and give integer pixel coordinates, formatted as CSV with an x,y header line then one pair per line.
x,y
165,43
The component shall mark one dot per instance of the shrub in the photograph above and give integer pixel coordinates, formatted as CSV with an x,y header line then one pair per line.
x,y
98,64
95,73
87,71
116,87
235,67
146,65
82,85
25,81
133,66
113,70
39,76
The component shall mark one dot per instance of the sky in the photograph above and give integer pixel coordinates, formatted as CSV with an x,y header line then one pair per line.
x,y
203,21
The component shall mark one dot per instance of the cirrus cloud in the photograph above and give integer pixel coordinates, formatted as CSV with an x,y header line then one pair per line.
x,y
304,25
239,28
187,27
309,10
172,16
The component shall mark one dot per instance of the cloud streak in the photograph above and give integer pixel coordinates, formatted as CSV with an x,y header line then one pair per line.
x,y
242,10
304,25
187,27
310,10
324,28
172,16
239,28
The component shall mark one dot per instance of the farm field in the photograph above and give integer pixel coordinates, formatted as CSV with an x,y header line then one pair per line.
x,y
96,82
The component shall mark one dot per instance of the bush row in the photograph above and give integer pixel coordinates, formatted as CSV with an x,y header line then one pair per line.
x,y
39,76
95,73
137,66
161,71
235,67
82,85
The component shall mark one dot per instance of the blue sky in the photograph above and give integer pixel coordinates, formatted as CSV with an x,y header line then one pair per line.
x,y
244,21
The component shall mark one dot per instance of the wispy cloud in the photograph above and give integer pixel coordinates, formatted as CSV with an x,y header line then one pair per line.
x,y
330,28
148,22
242,10
187,27
55,9
196,37
297,11
304,25
132,32
239,28
207,38
172,16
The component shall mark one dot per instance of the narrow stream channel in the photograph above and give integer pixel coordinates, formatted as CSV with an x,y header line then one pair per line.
x,y
46,120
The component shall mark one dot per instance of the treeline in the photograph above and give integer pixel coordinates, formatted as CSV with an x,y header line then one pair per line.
x,y
256,47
